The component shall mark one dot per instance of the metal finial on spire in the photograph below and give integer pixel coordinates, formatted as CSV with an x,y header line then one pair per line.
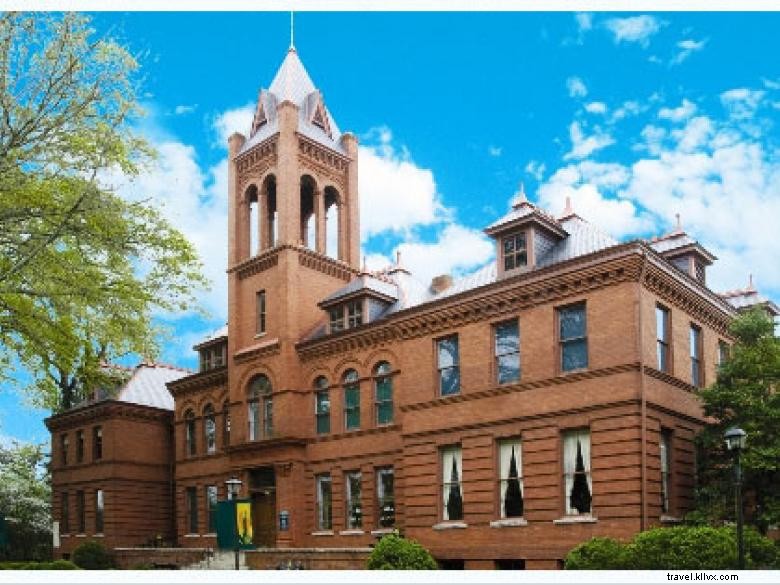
x,y
398,257
292,30
568,210
520,197
679,222
750,281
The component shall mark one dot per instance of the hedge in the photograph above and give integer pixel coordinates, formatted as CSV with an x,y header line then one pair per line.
x,y
393,552
59,565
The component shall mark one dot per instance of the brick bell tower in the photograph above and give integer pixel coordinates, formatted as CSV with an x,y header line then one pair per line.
x,y
294,234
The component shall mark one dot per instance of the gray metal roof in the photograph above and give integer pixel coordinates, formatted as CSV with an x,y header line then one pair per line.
x,y
147,385
671,242
292,83
749,297
584,238
364,282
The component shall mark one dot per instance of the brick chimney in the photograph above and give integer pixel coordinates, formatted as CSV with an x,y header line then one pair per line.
x,y
441,283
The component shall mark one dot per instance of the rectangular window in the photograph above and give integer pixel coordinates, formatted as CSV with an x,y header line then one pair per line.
x,y
324,502
662,337
261,312
352,406
510,462
354,313
573,337
452,492
336,319
354,508
81,513
507,348
383,395
64,447
205,360
448,365
97,443
99,511
211,508
253,406
192,510
576,472
218,356
385,497
322,411
696,365
65,514
724,352
515,252
665,452
79,446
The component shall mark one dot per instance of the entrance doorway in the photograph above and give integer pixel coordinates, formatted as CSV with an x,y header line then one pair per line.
x,y
262,491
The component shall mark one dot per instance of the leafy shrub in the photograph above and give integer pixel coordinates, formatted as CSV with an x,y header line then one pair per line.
x,y
394,552
682,547
92,555
598,553
63,565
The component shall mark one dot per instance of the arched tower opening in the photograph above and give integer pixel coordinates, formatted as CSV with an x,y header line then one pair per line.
x,y
269,216
252,227
308,215
333,223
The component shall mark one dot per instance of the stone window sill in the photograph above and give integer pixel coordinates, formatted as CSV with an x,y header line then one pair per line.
x,y
508,522
211,534
586,519
192,536
322,533
352,532
670,519
81,536
383,531
98,535
449,525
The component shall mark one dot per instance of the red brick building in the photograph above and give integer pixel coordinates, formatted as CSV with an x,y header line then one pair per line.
x,y
499,419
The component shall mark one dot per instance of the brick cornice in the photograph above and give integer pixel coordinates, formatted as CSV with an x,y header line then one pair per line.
x,y
325,264
105,409
264,350
522,386
199,381
486,302
258,263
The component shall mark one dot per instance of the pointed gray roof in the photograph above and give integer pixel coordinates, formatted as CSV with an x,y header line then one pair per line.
x,y
292,83
147,385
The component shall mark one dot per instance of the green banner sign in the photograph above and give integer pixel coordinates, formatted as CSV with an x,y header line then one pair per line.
x,y
234,524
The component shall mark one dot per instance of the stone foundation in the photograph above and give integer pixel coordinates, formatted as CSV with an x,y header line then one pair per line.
x,y
308,558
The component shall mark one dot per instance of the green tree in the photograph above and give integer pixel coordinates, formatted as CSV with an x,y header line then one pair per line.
x,y
81,269
745,394
394,552
25,498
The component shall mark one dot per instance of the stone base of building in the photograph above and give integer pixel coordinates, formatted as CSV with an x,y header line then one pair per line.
x,y
308,558
159,558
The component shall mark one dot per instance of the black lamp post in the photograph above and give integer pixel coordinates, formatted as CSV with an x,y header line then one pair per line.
x,y
233,488
735,442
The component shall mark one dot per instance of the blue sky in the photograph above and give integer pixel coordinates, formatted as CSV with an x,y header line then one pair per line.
x,y
636,117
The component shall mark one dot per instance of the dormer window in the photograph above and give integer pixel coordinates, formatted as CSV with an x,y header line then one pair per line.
x,y
346,316
515,251
336,319
354,314
212,357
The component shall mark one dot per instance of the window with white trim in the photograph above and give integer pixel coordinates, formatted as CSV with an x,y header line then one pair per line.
x,y
354,507
324,502
510,462
451,482
577,483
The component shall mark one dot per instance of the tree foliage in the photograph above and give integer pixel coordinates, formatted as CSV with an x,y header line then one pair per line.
x,y
394,552
81,268
678,548
25,498
745,395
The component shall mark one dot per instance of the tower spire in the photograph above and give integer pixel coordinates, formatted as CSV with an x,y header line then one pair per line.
x,y
292,30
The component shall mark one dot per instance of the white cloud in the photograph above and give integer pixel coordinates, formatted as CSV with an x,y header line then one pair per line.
x,y
457,250
633,29
628,108
596,108
576,87
684,111
584,21
687,47
183,109
495,151
741,103
583,146
395,194
535,169
234,120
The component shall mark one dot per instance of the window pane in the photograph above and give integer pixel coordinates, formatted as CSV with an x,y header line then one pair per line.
x,y
351,397
384,413
508,368
353,419
384,389
385,498
448,352
572,321
574,355
660,323
323,402
507,337
450,381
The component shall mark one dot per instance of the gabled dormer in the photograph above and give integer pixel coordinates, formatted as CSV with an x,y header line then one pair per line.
x,y
523,236
363,300
213,350
684,253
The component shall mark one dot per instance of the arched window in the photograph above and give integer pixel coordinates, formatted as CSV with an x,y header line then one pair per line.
x,y
260,403
351,400
383,394
225,424
189,433
332,223
210,429
322,405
